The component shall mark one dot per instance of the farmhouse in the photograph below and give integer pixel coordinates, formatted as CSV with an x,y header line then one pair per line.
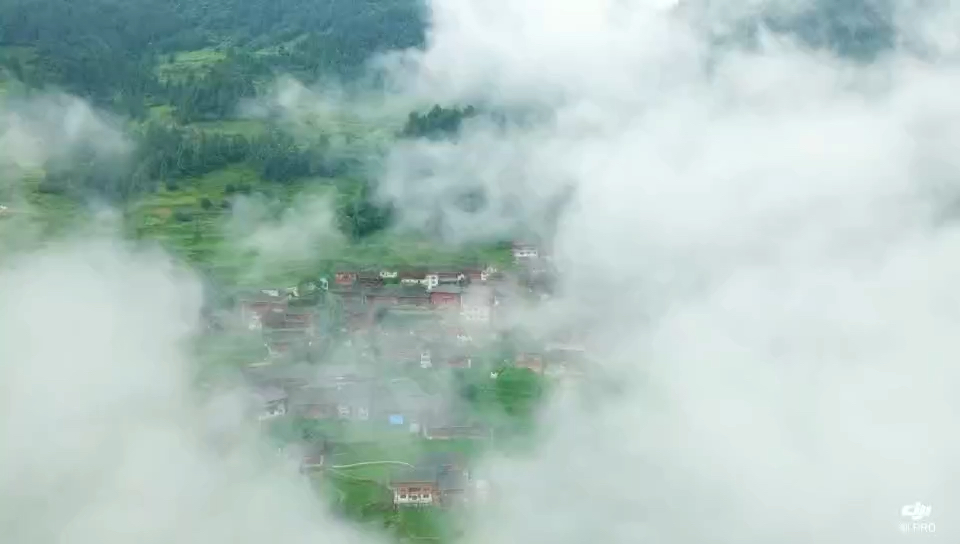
x,y
437,480
525,251
369,279
446,295
345,278
412,276
255,308
399,295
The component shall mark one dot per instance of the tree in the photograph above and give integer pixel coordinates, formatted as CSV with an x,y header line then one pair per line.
x,y
439,122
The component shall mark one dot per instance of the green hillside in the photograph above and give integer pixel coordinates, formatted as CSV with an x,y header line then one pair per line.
x,y
177,75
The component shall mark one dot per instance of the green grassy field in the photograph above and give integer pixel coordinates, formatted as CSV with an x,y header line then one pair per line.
x,y
361,491
178,66
177,219
242,127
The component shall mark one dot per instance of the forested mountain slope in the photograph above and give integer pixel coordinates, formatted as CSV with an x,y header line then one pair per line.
x,y
178,71
102,48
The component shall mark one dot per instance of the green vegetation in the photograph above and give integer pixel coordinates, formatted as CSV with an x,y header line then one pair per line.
x,y
178,67
178,75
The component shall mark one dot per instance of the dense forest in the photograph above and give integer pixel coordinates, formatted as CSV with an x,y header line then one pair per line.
x,y
107,50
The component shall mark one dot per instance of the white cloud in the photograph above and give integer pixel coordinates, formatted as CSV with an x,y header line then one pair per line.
x,y
753,246
101,436
51,126
307,230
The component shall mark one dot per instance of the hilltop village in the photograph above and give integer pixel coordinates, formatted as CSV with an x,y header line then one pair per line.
x,y
365,358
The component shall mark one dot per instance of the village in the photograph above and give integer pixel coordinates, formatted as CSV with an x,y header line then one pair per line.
x,y
367,358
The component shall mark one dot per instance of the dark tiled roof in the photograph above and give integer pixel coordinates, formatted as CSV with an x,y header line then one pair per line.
x,y
452,480
412,273
444,470
451,289
416,475
397,290
447,459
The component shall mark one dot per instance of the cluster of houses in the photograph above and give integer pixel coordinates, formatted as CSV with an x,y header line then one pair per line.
x,y
355,393
470,293
457,305
352,394
438,479
434,317
428,317
473,292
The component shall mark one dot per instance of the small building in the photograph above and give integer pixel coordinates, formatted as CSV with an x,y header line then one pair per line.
x,y
345,278
481,275
417,486
530,361
412,277
446,295
255,308
294,321
451,278
270,402
440,479
407,296
451,428
524,251
370,279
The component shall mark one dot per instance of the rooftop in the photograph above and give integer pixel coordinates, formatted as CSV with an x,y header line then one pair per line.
x,y
400,291
445,470
416,475
451,289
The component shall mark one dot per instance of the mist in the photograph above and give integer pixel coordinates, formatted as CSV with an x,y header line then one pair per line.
x,y
756,247
103,435
755,244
